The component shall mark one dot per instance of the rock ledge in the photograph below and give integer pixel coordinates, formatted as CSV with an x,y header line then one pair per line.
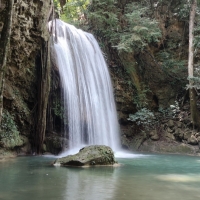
x,y
89,156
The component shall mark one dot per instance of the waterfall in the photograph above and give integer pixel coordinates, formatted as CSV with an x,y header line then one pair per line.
x,y
87,89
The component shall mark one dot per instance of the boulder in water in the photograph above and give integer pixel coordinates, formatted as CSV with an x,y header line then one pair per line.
x,y
89,156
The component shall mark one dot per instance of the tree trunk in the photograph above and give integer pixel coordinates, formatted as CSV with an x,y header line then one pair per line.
x,y
195,115
5,45
62,3
43,95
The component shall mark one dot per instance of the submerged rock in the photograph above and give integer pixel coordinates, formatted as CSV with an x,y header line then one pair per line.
x,y
89,156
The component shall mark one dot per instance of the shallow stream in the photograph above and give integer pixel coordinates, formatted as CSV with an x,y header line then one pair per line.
x,y
140,177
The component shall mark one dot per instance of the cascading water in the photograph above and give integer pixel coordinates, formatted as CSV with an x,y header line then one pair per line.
x,y
88,96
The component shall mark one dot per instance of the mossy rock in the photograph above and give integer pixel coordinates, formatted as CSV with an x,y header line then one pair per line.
x,y
4,154
54,144
12,141
89,156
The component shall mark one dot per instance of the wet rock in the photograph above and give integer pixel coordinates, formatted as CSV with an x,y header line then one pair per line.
x,y
192,140
187,135
197,135
54,144
4,153
26,148
170,136
170,123
169,130
12,141
154,135
198,138
179,133
168,147
179,124
137,141
89,156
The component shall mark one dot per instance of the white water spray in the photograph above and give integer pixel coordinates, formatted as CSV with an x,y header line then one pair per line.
x,y
88,96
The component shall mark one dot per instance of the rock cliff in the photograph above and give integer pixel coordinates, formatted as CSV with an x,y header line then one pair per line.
x,y
28,32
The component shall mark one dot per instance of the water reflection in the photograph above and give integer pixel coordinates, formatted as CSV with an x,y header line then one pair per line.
x,y
141,178
179,178
90,183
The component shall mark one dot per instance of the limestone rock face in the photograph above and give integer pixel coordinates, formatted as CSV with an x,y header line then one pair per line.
x,y
28,32
89,156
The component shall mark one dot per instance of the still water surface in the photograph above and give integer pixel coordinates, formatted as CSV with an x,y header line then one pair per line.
x,y
143,177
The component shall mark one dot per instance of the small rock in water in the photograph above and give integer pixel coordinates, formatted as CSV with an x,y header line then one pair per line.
x,y
89,156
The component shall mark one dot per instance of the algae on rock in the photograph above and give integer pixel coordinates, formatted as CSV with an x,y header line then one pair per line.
x,y
89,156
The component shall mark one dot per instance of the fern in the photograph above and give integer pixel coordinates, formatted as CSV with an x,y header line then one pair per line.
x,y
141,30
169,63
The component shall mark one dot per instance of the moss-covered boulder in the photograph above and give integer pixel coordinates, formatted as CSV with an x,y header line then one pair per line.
x,y
89,156
11,142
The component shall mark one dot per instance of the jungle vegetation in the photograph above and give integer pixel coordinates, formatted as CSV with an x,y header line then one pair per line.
x,y
135,26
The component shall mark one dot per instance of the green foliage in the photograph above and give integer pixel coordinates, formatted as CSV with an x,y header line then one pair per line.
x,y
56,4
165,112
140,31
168,62
58,109
8,125
73,11
9,134
147,118
175,108
195,80
57,7
142,117
103,16
141,98
132,31
183,10
171,112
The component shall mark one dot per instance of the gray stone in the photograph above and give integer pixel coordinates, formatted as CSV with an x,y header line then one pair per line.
x,y
179,124
152,133
137,141
89,156
192,140
155,137
177,132
187,135
170,123
169,130
181,135
170,136
167,147
198,138
54,144
197,135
